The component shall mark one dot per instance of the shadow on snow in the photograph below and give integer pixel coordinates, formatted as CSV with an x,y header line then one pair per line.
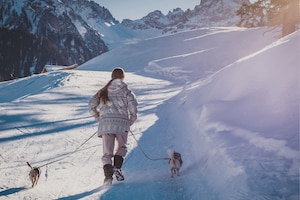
x,y
10,191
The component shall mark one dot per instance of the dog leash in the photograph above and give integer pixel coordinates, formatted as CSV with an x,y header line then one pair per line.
x,y
153,159
68,154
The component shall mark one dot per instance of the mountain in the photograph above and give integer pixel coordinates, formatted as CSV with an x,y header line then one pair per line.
x,y
38,32
34,33
207,13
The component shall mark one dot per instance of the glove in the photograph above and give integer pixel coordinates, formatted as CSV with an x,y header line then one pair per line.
x,y
96,115
132,119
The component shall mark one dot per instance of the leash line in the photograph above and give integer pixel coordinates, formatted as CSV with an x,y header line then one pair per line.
x,y
153,159
68,154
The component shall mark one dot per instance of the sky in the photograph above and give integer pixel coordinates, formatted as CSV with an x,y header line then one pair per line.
x,y
136,9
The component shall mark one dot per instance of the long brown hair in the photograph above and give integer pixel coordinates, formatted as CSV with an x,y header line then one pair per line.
x,y
118,72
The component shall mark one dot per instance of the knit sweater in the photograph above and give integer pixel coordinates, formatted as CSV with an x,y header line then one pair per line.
x,y
116,116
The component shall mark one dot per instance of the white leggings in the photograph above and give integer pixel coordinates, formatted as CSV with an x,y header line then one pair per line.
x,y
108,141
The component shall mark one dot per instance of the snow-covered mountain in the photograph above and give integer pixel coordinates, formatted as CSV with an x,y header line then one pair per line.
x,y
207,13
39,32
227,99
66,32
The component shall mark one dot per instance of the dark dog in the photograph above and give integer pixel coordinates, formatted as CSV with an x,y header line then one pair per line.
x,y
175,162
34,174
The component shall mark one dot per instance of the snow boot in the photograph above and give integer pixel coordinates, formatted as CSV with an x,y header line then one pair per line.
x,y
118,161
118,174
107,181
108,173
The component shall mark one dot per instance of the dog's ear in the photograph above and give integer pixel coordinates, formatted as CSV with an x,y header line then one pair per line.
x,y
38,171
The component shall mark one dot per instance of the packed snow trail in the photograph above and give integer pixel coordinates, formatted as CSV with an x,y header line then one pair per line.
x,y
55,122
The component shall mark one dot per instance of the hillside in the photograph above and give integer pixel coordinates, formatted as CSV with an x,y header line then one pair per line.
x,y
226,98
39,32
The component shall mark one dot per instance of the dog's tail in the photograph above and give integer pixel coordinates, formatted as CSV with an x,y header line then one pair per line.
x,y
170,153
29,165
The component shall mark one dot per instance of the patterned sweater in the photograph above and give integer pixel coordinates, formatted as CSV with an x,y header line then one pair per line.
x,y
116,116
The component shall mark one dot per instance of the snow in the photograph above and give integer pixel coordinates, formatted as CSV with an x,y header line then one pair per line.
x,y
81,29
227,99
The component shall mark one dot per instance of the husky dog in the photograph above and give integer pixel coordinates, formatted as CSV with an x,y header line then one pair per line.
x,y
34,174
175,162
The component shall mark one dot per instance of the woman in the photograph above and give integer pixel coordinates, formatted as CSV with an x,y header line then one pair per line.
x,y
115,107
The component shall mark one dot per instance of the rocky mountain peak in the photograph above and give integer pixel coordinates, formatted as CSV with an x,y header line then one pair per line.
x,y
52,31
207,13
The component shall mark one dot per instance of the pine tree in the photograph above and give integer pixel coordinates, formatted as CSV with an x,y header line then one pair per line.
x,y
252,15
271,13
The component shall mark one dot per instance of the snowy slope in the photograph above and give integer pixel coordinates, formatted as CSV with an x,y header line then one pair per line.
x,y
227,99
185,56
